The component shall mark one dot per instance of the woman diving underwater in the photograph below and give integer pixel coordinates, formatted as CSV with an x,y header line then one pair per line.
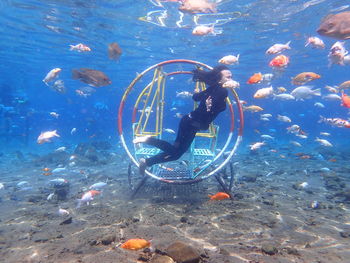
x,y
212,101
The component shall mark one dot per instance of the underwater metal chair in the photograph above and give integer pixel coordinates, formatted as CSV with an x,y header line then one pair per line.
x,y
147,119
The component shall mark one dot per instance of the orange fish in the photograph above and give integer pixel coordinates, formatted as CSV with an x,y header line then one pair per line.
x,y
304,77
135,244
279,62
345,99
332,160
305,157
219,196
255,78
46,169
47,174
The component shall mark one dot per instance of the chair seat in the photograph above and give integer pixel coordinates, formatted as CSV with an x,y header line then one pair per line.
x,y
202,152
147,151
175,175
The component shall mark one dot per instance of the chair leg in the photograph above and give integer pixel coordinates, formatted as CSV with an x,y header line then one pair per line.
x,y
223,185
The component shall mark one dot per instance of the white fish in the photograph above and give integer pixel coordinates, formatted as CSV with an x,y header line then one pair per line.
x,y
263,93
267,78
54,114
22,183
2,186
58,181
51,75
87,197
332,89
256,146
229,60
173,109
98,186
323,142
265,119
302,136
305,92
46,136
268,174
61,149
184,94
74,130
315,42
278,48
50,196
325,169
203,30
266,115
293,129
325,133
283,96
147,110
319,105
268,137
79,47
58,170
169,130
231,84
283,118
304,184
295,143
63,212
178,115
331,97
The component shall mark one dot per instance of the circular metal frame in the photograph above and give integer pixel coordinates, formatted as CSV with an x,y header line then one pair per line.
x,y
228,141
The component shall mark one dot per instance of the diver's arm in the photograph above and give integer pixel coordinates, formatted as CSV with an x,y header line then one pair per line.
x,y
200,95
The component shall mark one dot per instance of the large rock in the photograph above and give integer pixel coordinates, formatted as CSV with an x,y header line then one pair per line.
x,y
183,253
161,259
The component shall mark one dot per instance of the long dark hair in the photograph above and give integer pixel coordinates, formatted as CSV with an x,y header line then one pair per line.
x,y
211,77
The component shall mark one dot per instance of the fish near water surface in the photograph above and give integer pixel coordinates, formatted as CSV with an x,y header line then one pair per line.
x,y
197,6
92,77
336,26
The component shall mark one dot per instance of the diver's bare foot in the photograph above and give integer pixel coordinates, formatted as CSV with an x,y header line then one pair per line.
x,y
141,139
142,166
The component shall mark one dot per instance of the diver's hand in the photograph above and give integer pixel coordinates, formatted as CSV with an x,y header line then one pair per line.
x,y
208,103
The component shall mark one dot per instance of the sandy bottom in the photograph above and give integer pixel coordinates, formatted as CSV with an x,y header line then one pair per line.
x,y
270,210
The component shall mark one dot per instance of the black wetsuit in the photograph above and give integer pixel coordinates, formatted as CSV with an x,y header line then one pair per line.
x,y
190,124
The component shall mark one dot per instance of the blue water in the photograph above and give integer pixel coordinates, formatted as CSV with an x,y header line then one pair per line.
x,y
274,190
35,38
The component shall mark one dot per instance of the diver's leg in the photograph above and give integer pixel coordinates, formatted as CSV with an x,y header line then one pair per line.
x,y
161,144
185,137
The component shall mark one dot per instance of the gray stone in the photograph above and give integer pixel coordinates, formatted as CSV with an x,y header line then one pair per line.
x,y
183,253
161,259
269,249
344,234
108,239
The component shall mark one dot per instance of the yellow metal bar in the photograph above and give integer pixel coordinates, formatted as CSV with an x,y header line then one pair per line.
x,y
146,102
152,104
161,105
160,80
